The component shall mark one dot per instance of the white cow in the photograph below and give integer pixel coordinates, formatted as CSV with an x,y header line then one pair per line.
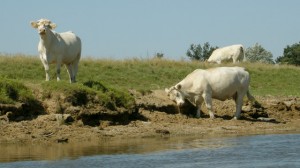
x,y
59,48
233,52
219,83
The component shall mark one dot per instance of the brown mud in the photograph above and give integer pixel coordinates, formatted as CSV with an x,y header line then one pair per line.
x,y
154,115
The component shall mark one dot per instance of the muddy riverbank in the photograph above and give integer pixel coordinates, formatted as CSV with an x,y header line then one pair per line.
x,y
154,115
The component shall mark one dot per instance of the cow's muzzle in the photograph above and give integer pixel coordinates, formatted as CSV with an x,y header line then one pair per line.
x,y
42,32
180,104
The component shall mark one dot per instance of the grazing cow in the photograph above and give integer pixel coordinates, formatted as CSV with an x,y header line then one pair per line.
x,y
233,52
59,48
219,83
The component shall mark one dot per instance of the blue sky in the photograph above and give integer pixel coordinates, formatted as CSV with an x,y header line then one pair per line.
x,y
121,29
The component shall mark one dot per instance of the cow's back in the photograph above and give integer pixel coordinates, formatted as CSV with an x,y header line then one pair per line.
x,y
234,52
215,56
70,45
221,54
222,82
226,81
191,82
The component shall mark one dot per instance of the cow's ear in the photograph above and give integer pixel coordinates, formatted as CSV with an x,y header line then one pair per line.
x,y
53,26
34,24
167,90
178,87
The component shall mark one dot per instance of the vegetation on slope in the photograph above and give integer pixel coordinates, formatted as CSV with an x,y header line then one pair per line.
x,y
12,91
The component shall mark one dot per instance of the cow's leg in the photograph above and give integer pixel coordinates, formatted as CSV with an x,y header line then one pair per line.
x,y
238,104
234,60
75,70
58,65
208,103
73,79
75,67
70,72
46,66
198,102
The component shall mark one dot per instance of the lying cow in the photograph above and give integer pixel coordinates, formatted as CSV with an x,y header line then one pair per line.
x,y
219,83
59,48
233,52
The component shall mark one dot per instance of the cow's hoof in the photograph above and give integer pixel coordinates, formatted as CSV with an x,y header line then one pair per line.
x,y
235,118
198,116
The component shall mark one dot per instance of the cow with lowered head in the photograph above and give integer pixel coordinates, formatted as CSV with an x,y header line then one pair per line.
x,y
59,48
217,83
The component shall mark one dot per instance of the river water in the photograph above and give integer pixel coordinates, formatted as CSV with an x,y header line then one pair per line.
x,y
278,150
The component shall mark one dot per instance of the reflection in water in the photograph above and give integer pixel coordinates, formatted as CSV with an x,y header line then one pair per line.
x,y
17,152
243,151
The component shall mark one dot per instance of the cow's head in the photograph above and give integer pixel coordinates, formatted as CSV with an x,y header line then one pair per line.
x,y
43,25
175,94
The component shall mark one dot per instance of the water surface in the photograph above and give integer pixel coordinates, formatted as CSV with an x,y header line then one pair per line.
x,y
281,150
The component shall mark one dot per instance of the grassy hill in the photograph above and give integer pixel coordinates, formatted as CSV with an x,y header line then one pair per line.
x,y
143,74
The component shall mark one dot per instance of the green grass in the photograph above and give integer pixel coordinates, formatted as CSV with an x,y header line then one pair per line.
x,y
111,79
275,80
83,94
12,91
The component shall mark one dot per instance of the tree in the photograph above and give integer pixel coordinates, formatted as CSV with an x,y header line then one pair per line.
x,y
196,52
258,54
159,55
291,55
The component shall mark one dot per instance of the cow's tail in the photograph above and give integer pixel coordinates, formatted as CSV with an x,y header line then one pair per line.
x,y
252,100
242,50
250,97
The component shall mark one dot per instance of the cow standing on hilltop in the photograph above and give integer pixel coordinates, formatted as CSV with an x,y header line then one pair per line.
x,y
59,48
219,83
234,52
